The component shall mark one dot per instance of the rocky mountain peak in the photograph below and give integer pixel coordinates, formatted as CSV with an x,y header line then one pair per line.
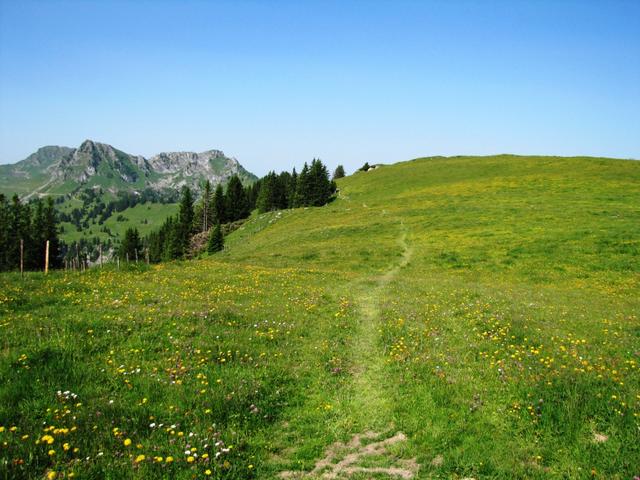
x,y
94,163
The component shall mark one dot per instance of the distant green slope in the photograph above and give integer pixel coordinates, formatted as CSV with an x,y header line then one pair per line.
x,y
145,217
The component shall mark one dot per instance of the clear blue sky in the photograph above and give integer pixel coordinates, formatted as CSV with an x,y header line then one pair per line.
x,y
276,83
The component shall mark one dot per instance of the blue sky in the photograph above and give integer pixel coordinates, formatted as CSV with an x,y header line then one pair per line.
x,y
277,83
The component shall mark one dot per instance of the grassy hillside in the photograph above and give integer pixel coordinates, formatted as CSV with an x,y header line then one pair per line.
x,y
145,217
467,317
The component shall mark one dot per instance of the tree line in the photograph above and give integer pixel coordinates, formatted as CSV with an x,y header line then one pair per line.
x,y
312,187
216,206
36,222
30,225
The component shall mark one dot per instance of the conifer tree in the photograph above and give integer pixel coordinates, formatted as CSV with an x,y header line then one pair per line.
x,y
303,187
18,230
131,246
283,190
206,204
291,194
216,239
218,205
236,200
267,200
186,213
4,233
319,184
338,172
50,233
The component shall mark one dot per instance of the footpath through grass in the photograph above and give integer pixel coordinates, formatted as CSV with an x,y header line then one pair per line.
x,y
443,318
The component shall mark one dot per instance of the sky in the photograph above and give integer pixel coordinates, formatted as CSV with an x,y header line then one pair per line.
x,y
277,83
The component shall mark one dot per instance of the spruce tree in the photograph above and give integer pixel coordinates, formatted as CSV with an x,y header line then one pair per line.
x,y
216,239
184,228
131,246
206,206
4,233
338,172
235,200
50,232
320,188
283,190
186,213
19,222
35,247
267,197
303,187
291,193
218,206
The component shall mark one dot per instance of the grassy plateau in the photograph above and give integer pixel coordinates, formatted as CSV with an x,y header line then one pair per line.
x,y
444,318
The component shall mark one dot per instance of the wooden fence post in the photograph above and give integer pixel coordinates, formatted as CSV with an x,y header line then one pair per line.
x,y
22,258
46,258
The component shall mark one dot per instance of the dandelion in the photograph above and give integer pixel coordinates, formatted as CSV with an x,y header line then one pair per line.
x,y
207,472
190,459
127,442
140,458
169,459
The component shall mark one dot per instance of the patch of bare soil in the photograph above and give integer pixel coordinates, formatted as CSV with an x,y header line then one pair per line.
x,y
342,460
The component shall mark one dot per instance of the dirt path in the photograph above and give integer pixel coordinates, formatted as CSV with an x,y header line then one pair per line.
x,y
370,404
369,361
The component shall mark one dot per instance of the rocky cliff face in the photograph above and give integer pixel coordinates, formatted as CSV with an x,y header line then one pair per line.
x,y
99,164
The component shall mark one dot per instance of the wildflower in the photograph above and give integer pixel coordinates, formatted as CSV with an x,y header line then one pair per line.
x,y
169,459
190,459
127,442
51,452
207,472
51,475
140,458
48,439
65,447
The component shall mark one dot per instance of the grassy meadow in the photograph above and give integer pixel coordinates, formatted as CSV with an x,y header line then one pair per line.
x,y
444,318
145,217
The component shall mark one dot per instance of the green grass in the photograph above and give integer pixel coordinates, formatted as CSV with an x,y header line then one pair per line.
x,y
486,307
145,217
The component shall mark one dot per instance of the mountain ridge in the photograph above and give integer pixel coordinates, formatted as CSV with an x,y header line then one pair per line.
x,y
58,170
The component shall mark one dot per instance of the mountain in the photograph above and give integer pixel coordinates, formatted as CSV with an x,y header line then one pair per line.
x,y
56,170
